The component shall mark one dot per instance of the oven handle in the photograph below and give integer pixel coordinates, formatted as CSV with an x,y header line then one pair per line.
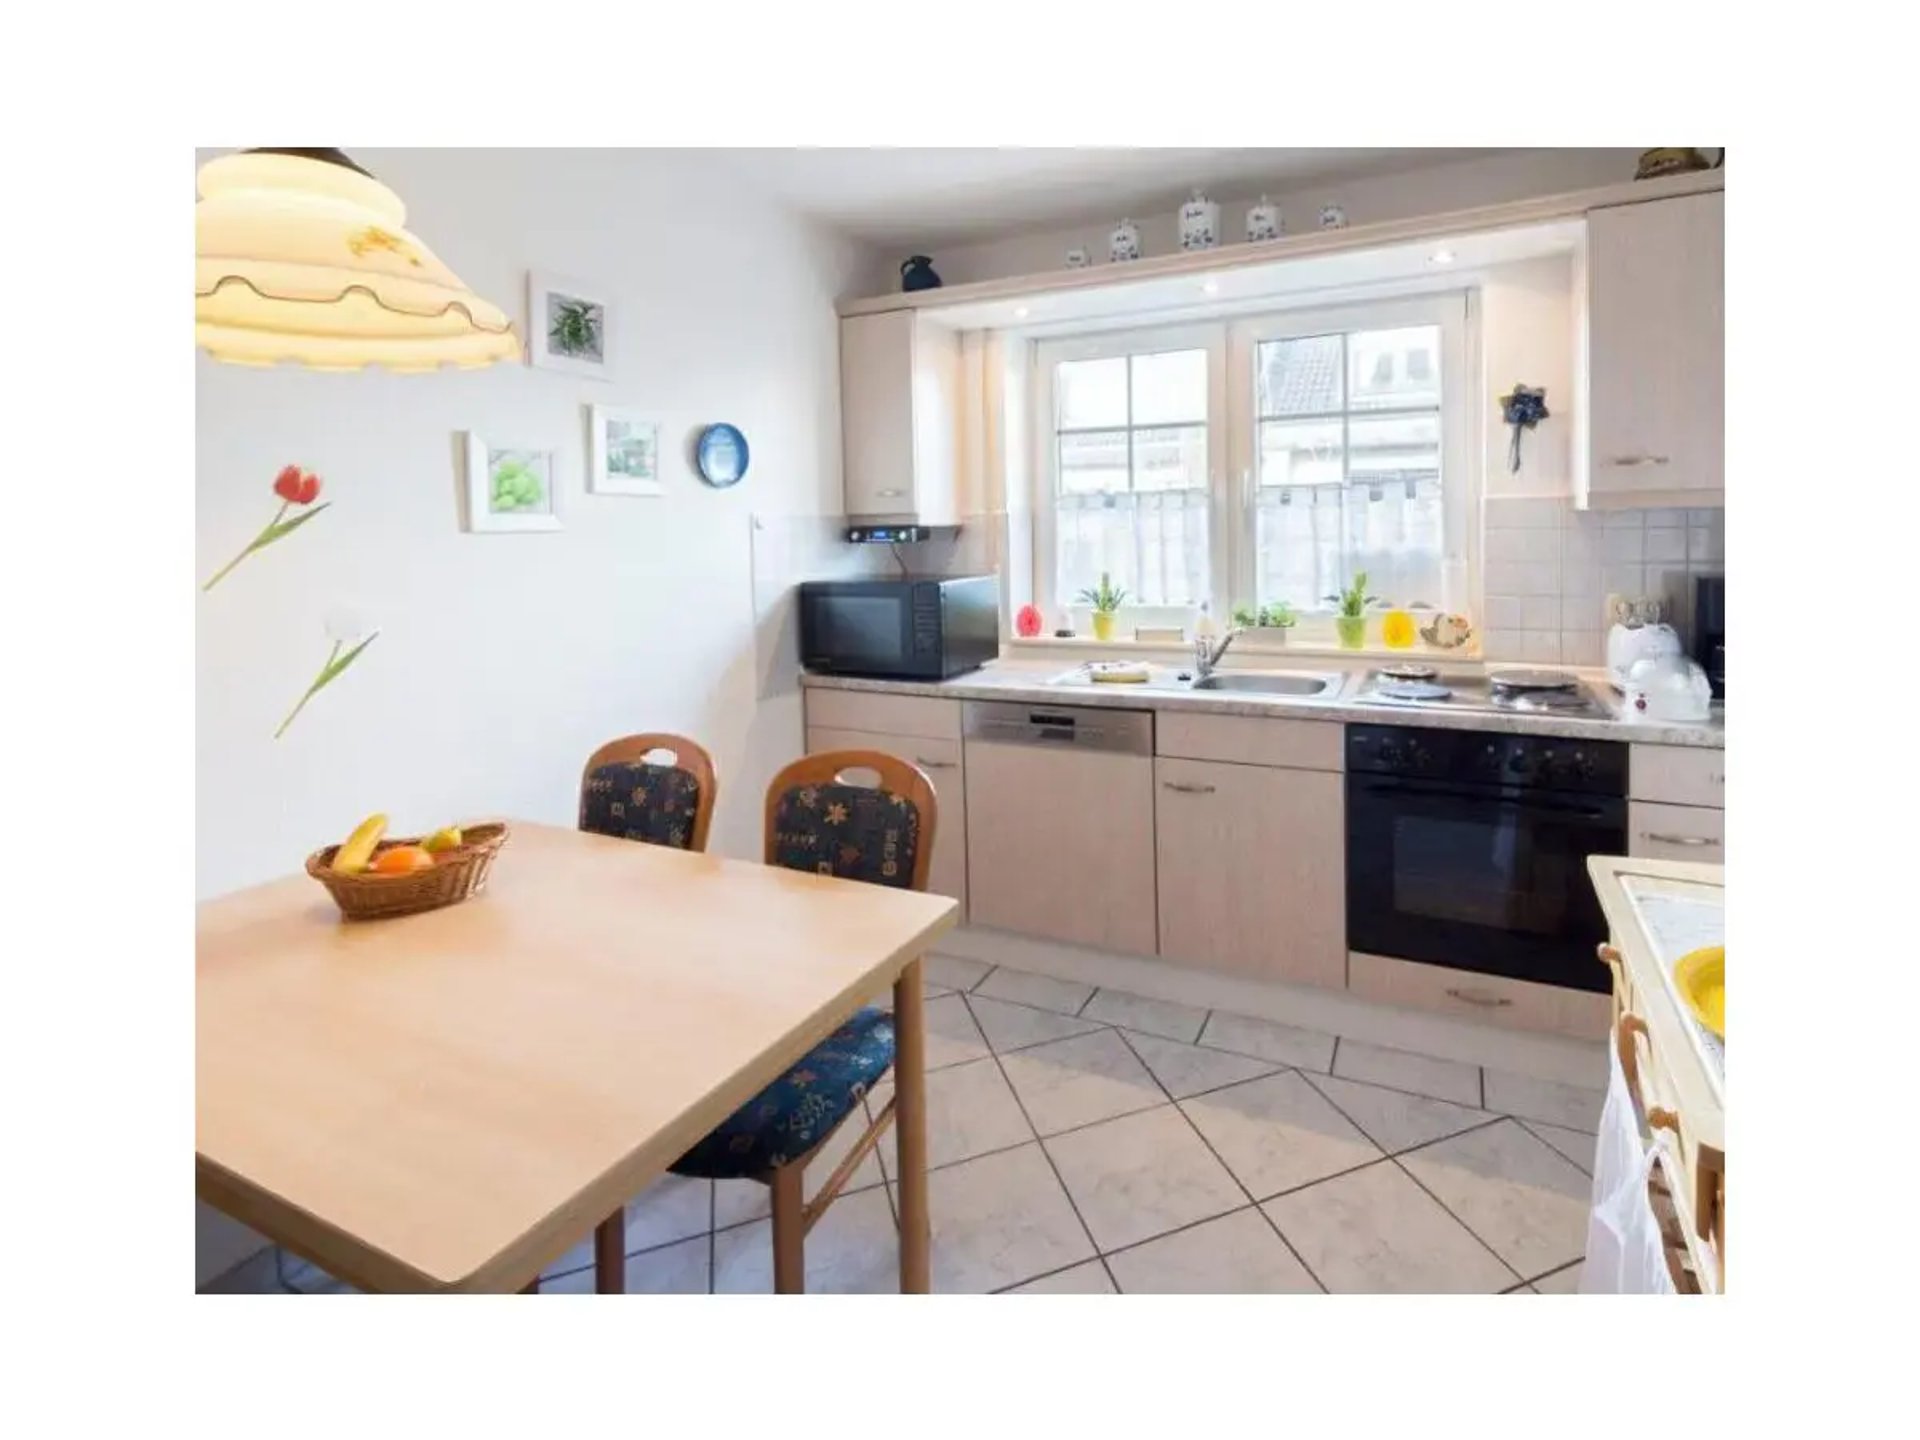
x,y
1582,807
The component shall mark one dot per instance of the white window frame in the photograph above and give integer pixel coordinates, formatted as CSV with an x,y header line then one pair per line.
x,y
1233,439
1109,345
1451,311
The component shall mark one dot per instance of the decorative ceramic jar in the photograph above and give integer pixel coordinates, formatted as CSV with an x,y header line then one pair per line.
x,y
1333,217
1124,242
1199,223
1263,221
916,273
1078,259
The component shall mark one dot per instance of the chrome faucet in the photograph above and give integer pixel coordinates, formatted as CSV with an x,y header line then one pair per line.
x,y
1206,656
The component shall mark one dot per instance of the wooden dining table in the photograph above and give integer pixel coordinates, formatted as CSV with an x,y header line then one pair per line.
x,y
452,1100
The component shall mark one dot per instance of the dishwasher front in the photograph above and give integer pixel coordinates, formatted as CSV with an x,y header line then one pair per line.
x,y
1060,823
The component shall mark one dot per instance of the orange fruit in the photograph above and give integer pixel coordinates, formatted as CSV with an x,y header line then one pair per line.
x,y
402,860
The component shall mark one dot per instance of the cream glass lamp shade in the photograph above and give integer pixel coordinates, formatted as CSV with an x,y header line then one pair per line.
x,y
301,255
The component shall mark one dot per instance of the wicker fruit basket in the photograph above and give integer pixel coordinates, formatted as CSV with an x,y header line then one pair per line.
x,y
456,874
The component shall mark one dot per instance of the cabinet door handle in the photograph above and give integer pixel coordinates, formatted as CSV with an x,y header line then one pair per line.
x,y
933,764
1688,840
1490,1002
1186,789
889,492
1626,460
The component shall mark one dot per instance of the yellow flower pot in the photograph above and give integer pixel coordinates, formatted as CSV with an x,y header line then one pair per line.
x,y
1103,624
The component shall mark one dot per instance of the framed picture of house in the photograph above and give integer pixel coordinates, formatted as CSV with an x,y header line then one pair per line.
x,y
623,451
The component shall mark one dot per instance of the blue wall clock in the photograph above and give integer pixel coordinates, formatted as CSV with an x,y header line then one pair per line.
x,y
721,454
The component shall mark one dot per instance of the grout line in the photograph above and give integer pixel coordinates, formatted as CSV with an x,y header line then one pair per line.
x,y
1088,1001
1049,1274
1333,1060
1221,1162
713,1235
1528,1127
1047,1155
1483,1084
1395,1160
1558,1270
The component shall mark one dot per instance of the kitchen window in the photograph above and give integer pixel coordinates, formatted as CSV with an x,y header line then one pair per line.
x,y
1261,460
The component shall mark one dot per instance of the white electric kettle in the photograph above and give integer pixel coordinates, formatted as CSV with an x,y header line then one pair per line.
x,y
1637,635
1667,687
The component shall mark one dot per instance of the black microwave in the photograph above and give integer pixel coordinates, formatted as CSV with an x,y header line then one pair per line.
x,y
911,627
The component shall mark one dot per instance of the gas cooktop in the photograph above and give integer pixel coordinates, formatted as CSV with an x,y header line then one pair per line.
x,y
1500,692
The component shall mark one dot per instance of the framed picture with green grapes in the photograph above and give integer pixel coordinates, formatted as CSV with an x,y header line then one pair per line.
x,y
511,487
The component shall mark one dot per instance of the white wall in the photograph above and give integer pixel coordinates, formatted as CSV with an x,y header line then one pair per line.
x,y
504,659
1433,190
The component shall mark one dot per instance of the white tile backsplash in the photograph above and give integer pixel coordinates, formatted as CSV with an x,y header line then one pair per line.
x,y
1549,569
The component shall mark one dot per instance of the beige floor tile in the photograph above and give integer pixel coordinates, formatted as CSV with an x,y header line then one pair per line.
x,y
1394,1119
1560,1282
1526,1200
1189,1069
1075,1082
1041,991
672,1208
671,1270
853,1250
1014,1027
1164,1018
1278,1133
1401,1070
999,1220
1237,1254
970,1111
952,1036
735,1202
1264,1040
1089,1278
1548,1100
1376,1232
1142,1175
951,972
1576,1145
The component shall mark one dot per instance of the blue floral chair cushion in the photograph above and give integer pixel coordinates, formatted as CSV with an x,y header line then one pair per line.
x,y
801,1108
632,800
851,831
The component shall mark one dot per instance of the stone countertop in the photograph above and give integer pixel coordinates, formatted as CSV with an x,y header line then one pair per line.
x,y
1035,682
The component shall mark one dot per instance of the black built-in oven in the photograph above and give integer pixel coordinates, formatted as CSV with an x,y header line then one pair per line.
x,y
1469,849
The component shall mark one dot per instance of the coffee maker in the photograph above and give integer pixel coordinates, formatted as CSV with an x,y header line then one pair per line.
x,y
1710,630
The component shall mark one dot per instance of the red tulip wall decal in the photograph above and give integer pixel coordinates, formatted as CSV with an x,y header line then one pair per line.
x,y
295,487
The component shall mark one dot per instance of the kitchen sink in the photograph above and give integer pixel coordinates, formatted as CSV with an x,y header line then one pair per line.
x,y
1268,684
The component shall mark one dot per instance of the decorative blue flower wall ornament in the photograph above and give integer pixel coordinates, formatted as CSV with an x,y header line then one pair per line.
x,y
1523,409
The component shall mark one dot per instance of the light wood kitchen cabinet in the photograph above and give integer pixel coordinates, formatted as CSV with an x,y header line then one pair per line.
x,y
1060,844
942,760
1677,775
899,417
1676,832
1653,317
1252,872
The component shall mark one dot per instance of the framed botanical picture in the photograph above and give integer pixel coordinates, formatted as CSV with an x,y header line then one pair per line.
x,y
511,487
623,452
567,325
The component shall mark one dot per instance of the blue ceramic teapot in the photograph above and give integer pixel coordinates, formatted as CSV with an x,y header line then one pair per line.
x,y
916,273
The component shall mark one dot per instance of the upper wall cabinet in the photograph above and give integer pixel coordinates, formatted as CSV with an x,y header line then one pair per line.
x,y
899,417
1654,355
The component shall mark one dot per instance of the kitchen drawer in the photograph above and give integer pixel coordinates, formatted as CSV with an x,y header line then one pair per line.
x,y
1490,999
1250,740
1676,832
1678,775
947,872
884,714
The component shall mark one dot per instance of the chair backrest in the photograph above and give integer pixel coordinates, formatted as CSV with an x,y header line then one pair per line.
x,y
656,788
822,817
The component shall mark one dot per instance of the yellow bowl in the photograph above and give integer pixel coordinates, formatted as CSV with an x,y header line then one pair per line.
x,y
1702,978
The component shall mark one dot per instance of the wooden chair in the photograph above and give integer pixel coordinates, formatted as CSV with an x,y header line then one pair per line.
x,y
659,789
820,819
625,794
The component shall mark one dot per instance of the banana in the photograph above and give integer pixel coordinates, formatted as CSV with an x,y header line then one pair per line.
x,y
352,857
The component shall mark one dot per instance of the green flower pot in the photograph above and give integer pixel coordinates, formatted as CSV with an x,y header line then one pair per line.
x,y
1352,630
1103,625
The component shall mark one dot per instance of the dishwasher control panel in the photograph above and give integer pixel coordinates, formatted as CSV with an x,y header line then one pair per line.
x,y
1129,732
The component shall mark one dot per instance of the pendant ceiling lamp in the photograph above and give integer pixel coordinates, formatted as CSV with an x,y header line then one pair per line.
x,y
301,255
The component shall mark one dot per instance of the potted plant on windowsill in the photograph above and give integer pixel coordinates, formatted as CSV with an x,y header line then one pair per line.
x,y
1274,621
1106,600
1350,612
